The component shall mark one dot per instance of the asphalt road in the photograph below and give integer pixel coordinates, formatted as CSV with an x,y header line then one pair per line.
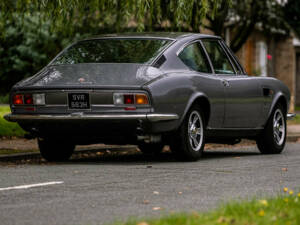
x,y
102,190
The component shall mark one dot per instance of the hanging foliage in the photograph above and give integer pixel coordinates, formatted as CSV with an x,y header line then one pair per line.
x,y
32,32
117,15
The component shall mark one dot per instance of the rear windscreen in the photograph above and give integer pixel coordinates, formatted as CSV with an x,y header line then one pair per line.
x,y
95,74
141,51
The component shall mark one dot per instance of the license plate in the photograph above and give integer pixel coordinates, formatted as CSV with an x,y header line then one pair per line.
x,y
79,101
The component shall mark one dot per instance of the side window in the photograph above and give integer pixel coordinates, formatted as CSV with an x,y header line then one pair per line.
x,y
218,57
194,57
234,60
236,67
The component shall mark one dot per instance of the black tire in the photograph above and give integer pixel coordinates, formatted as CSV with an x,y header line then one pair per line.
x,y
272,139
182,144
54,150
151,148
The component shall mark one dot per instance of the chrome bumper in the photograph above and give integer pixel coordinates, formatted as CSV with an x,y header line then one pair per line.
x,y
81,116
290,116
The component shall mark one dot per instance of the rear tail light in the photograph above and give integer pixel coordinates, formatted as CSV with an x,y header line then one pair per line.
x,y
39,99
141,99
118,99
130,99
29,99
18,99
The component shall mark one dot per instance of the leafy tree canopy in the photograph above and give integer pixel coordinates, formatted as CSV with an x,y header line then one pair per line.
x,y
32,32
292,15
117,15
245,15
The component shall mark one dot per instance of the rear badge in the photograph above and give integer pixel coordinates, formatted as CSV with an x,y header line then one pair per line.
x,y
81,80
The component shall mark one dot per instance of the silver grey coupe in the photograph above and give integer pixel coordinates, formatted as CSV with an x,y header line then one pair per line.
x,y
151,89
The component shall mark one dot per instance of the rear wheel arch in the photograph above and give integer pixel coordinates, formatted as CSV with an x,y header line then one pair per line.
x,y
280,99
202,101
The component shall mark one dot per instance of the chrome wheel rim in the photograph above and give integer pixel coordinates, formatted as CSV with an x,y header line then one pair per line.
x,y
278,127
195,130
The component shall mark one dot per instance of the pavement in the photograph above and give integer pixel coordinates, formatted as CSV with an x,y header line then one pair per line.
x,y
100,190
293,132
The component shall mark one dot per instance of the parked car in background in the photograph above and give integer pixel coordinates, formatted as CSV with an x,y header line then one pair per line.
x,y
177,89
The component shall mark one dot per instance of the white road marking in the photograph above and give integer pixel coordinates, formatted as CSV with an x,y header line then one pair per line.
x,y
31,185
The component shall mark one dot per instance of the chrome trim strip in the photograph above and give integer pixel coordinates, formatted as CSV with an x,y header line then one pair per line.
x,y
161,117
235,129
75,116
290,116
54,105
103,105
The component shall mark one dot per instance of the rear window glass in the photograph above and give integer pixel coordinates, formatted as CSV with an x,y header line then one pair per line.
x,y
141,51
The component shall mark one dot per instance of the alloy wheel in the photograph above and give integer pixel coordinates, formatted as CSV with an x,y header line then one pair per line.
x,y
195,130
278,127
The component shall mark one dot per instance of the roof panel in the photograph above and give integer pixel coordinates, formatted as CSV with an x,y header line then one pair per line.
x,y
163,35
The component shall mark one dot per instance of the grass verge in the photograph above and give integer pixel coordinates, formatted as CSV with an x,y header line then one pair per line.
x,y
280,210
9,129
15,151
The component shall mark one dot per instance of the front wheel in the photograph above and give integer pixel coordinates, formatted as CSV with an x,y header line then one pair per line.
x,y
272,140
188,142
54,150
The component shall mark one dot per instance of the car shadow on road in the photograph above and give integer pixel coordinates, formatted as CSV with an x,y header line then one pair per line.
x,y
131,156
166,157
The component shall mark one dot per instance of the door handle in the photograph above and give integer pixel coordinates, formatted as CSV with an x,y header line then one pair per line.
x,y
225,83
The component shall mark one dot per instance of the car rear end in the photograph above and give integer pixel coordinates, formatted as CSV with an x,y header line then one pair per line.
x,y
84,113
93,92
